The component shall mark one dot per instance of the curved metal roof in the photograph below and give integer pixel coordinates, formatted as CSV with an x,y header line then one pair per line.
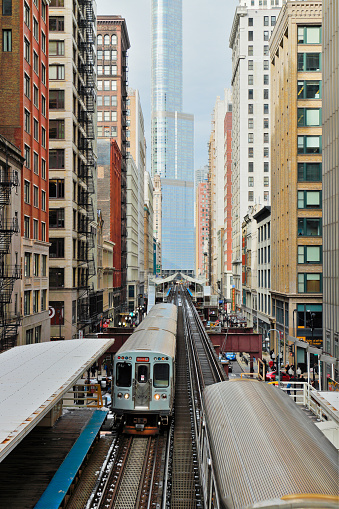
x,y
156,333
33,378
263,446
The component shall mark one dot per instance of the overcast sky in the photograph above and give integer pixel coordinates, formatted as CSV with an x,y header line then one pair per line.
x,y
206,59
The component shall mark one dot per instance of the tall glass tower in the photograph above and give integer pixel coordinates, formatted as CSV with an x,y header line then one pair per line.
x,y
172,145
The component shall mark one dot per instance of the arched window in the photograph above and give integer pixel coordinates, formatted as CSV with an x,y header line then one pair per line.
x,y
106,40
114,39
100,40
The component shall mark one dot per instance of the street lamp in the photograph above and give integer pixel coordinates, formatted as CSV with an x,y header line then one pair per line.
x,y
278,351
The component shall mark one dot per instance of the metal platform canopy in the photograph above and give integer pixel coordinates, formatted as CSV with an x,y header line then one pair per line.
x,y
196,286
34,378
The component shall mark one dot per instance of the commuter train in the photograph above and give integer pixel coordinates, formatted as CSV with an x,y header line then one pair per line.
x,y
144,373
258,449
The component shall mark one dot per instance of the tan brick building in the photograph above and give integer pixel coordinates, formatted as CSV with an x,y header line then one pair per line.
x,y
296,146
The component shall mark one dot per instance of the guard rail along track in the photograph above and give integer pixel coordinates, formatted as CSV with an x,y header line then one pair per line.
x,y
132,475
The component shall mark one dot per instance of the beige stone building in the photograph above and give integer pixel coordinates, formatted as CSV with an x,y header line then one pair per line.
x,y
148,227
296,146
330,120
157,221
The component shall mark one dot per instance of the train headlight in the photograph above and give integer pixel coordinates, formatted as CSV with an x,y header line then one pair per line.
x,y
119,395
164,396
126,396
157,397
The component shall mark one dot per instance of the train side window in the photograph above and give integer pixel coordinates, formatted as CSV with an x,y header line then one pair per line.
x,y
161,375
124,374
142,374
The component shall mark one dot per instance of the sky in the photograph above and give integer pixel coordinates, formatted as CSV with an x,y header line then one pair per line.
x,y
207,65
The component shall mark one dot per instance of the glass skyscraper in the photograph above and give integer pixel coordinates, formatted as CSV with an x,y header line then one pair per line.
x,y
172,145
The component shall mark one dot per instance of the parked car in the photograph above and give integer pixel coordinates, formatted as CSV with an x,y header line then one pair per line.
x,y
270,376
231,356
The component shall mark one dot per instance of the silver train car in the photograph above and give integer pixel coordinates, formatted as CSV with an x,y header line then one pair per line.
x,y
258,449
144,373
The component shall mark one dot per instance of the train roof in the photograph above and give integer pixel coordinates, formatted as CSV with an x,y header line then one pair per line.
x,y
264,447
156,333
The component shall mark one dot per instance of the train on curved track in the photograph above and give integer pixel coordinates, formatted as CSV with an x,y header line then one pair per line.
x,y
144,373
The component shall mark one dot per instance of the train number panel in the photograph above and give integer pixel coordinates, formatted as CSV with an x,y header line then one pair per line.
x,y
144,373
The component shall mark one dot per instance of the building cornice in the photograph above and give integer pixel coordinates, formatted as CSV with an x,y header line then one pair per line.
x,y
240,11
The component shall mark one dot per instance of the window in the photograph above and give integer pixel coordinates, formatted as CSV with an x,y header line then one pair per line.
x,y
56,23
309,172
250,51
250,152
250,109
43,10
43,137
114,54
107,70
43,42
27,121
56,99
250,35
35,96
106,85
27,86
99,40
266,138
27,15
250,137
26,227
309,89
250,181
43,79
57,158
99,84
114,85
114,40
57,247
35,301
7,7
266,152
56,48
106,40
114,101
266,79
124,374
309,117
309,199
107,54
266,109
309,254
57,218
266,51
36,129
57,188
273,20
99,54
106,100
266,35
99,100
250,81
266,93
56,72
266,167
35,29
37,334
27,264
44,265
27,156
250,22
309,283
250,195
266,123
35,196
161,375
266,182
250,65
266,21
43,231
27,306
106,116
113,130
309,35
7,40
266,195
27,50
309,145
35,229
57,129
56,277
58,306
309,62
113,116
250,123
250,166
43,169
266,65
35,63
43,200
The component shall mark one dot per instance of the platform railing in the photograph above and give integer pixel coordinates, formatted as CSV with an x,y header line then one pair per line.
x,y
84,395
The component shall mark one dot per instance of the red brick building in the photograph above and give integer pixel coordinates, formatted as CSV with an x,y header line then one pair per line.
x,y
24,122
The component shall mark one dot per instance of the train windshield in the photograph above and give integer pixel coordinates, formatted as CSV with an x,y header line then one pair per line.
x,y
124,374
161,375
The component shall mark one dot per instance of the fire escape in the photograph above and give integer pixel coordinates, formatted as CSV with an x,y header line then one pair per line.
x,y
87,160
124,153
9,322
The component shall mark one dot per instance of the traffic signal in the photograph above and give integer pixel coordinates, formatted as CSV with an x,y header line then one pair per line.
x,y
290,347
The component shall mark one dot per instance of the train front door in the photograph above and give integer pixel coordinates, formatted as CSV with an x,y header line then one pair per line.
x,y
142,386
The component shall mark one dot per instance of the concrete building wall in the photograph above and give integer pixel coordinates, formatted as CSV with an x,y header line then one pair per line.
x,y
330,119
